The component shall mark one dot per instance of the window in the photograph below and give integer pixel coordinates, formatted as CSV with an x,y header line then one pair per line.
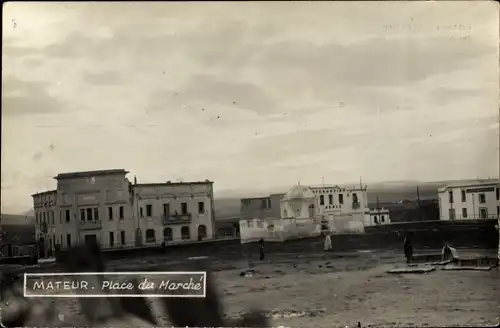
x,y
111,239
375,219
150,236
96,214
141,213
122,237
483,213
263,204
311,210
330,199
450,196
321,200
68,216
52,217
250,223
201,207
82,214
120,212
61,241
260,224
355,198
482,198
60,219
166,209
36,220
110,213
68,240
184,208
202,232
498,210
382,218
341,198
497,191
464,213
167,234
185,233
89,214
464,196
451,213
149,210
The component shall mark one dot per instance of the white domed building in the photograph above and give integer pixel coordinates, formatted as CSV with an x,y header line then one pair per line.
x,y
299,202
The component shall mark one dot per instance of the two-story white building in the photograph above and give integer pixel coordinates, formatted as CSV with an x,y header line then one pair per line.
x,y
175,211
469,200
104,206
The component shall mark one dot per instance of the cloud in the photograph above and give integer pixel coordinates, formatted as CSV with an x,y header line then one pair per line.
x,y
28,97
257,94
106,77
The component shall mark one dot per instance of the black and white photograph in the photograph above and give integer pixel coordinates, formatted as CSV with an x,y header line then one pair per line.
x,y
311,164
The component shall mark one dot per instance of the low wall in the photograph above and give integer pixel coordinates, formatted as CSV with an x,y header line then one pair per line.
x,y
481,234
21,260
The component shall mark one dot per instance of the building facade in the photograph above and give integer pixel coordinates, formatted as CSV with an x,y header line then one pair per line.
x,y
470,200
260,207
105,207
380,216
175,212
335,199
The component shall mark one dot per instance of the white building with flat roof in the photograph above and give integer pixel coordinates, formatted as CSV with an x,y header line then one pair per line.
x,y
470,200
104,206
380,216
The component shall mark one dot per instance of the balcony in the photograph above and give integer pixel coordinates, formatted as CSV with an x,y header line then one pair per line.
x,y
90,225
177,219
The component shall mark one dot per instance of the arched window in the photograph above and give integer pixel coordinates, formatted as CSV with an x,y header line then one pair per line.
x,y
167,234
202,231
185,233
150,236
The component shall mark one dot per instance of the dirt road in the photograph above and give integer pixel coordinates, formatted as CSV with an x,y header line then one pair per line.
x,y
339,289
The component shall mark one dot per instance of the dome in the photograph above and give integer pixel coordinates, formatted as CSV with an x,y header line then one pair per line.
x,y
299,192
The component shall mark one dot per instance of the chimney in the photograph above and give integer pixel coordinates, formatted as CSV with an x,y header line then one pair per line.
x,y
135,180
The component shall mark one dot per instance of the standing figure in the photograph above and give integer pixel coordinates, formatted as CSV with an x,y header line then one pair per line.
x,y
449,253
261,248
408,247
328,242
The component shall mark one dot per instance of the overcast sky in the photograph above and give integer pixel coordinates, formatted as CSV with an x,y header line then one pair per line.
x,y
250,95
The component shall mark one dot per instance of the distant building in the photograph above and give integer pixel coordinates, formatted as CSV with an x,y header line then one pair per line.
x,y
380,216
296,219
335,199
105,207
260,207
307,211
470,200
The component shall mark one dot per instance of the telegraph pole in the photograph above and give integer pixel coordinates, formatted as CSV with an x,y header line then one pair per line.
x,y
418,204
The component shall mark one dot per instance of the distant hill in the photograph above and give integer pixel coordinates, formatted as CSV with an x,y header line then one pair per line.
x,y
17,219
17,234
226,208
227,202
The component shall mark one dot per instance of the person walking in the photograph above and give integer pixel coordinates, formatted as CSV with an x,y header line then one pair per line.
x,y
261,248
328,242
408,247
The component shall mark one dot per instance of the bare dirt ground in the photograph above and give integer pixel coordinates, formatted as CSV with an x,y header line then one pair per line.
x,y
338,289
